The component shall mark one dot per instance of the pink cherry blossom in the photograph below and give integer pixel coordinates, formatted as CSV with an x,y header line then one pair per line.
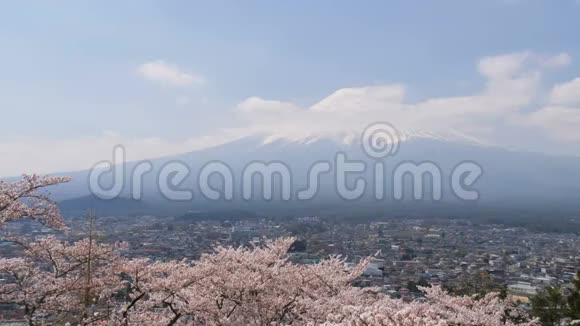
x,y
26,199
91,283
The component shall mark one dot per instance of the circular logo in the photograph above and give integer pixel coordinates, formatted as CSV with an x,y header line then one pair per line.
x,y
380,140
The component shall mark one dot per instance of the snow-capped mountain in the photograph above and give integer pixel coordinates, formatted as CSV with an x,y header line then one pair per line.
x,y
509,178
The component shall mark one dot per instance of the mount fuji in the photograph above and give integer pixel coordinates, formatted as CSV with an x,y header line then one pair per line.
x,y
528,182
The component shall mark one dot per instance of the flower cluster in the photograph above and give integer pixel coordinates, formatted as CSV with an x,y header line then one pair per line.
x,y
90,283
62,280
25,199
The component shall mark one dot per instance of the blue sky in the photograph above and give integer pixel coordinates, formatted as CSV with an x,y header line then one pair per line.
x,y
73,72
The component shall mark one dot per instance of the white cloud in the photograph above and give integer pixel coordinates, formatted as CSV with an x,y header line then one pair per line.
x,y
566,93
560,60
349,99
168,74
83,153
512,85
560,123
560,117
510,98
506,65
503,66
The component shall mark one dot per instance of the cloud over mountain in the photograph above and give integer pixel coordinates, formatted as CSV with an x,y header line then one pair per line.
x,y
513,98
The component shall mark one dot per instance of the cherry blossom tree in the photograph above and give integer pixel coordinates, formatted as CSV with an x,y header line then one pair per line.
x,y
26,199
87,282
259,286
79,282
66,281
29,287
